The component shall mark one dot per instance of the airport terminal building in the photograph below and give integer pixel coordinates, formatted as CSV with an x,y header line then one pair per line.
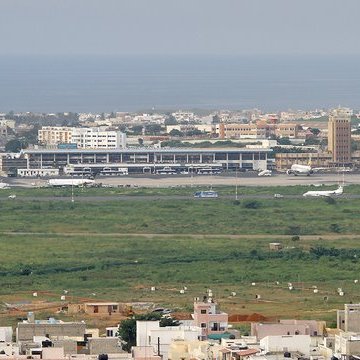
x,y
143,160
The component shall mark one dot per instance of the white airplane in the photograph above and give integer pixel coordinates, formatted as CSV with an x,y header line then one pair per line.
x,y
70,182
298,169
338,191
265,173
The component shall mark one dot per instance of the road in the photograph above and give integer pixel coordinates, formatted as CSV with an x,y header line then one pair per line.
x,y
243,179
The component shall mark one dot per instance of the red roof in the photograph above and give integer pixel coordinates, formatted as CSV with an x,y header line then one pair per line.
x,y
247,352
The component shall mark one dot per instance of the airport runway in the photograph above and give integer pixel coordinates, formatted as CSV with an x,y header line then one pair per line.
x,y
243,179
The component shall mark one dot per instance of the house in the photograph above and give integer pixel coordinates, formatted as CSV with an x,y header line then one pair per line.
x,y
149,333
349,318
288,327
209,318
286,343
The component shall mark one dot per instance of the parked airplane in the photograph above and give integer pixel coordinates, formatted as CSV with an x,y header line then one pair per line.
x,y
265,173
70,182
338,191
298,169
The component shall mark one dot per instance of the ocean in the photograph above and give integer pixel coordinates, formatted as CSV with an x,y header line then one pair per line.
x,y
135,83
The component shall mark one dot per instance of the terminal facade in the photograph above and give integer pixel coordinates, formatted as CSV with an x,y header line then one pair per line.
x,y
137,160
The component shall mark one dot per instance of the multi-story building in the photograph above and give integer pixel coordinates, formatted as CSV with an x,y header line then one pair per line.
x,y
85,138
339,135
209,318
349,318
54,135
258,130
283,161
98,138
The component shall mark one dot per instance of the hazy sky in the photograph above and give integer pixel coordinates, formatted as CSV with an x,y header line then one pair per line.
x,y
179,26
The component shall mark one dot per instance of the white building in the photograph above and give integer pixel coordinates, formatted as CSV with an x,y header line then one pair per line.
x,y
98,138
85,138
149,333
286,343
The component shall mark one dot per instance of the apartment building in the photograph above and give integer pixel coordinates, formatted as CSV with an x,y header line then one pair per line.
x,y
339,135
98,138
258,130
84,138
54,135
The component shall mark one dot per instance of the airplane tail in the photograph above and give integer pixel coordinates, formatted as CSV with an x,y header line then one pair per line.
x,y
340,190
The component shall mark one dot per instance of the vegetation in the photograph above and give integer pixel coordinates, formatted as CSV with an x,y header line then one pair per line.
x,y
121,247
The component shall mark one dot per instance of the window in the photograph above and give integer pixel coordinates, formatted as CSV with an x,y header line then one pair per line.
x,y
203,325
203,311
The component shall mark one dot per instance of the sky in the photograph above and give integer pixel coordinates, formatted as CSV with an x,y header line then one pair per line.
x,y
173,27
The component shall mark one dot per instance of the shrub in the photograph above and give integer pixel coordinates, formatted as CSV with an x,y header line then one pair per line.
x,y
335,228
330,200
252,204
295,238
293,230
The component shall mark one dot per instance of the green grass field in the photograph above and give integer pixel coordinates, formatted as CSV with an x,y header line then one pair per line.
x,y
115,249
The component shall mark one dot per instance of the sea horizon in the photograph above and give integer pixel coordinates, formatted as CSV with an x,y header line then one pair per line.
x,y
132,83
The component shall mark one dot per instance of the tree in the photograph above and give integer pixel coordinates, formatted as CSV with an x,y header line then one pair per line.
x,y
15,145
216,119
194,132
284,141
141,141
312,140
153,129
127,328
315,131
176,133
170,120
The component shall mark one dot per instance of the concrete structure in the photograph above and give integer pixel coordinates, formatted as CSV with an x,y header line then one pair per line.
x,y
104,345
347,344
37,172
11,162
339,135
98,138
283,161
96,308
258,130
286,343
144,160
275,246
53,135
349,318
51,328
186,350
149,333
85,138
6,334
209,319
184,128
144,353
288,327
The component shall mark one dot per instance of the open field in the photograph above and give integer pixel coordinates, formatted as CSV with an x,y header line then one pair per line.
x,y
182,216
119,249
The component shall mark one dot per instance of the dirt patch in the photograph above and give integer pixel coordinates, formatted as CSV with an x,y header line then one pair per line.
x,y
255,317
